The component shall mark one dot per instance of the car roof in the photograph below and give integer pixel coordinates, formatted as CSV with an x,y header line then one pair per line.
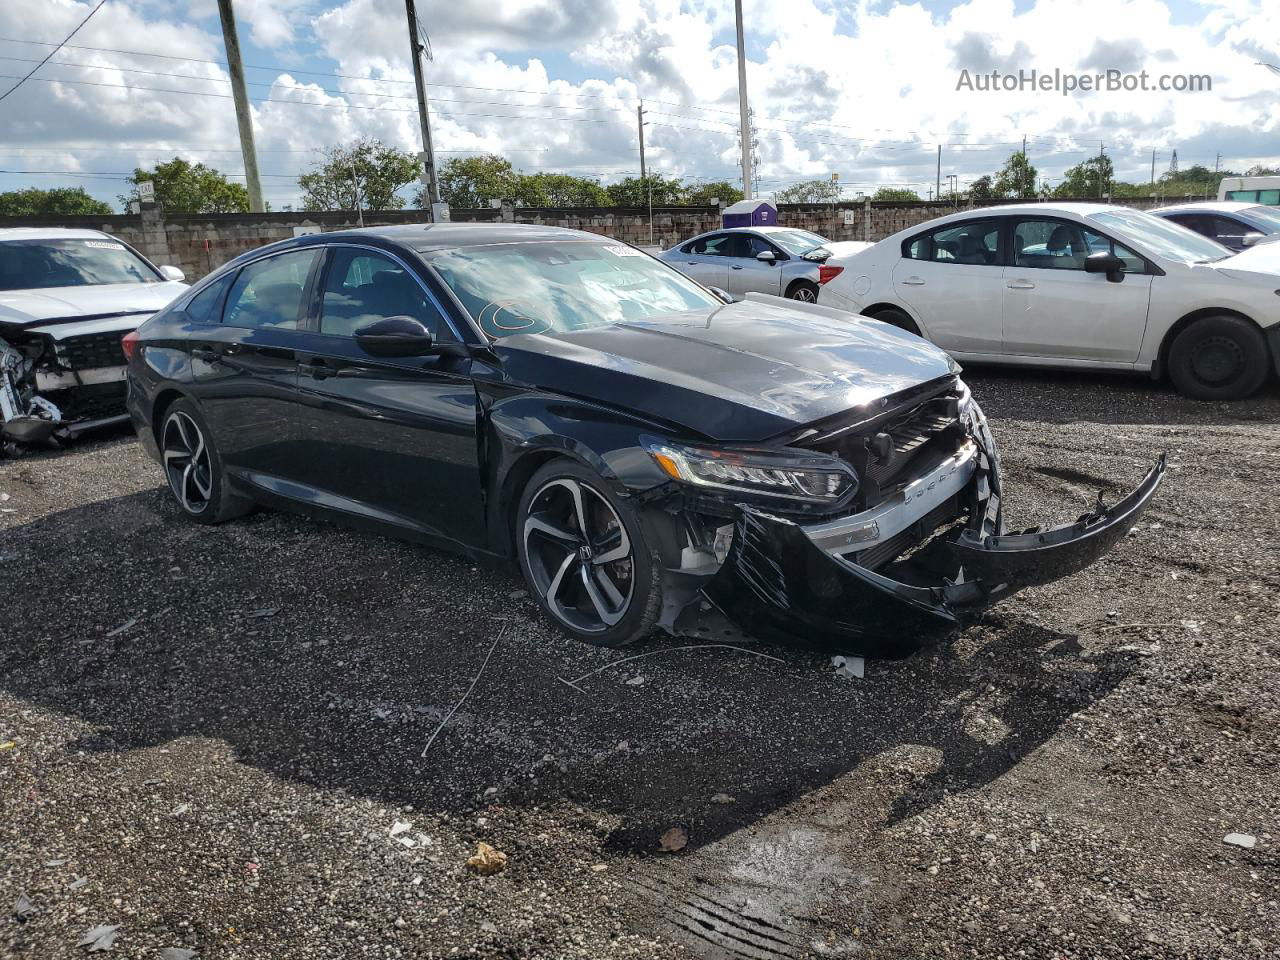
x,y
444,236
50,233
1207,206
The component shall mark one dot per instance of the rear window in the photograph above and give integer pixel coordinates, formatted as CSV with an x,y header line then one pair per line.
x,y
73,262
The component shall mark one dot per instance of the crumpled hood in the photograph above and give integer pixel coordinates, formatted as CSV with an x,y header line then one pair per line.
x,y
743,372
1259,263
57,304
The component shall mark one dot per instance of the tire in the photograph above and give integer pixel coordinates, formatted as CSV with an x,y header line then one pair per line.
x,y
1219,358
896,318
551,554
193,468
804,291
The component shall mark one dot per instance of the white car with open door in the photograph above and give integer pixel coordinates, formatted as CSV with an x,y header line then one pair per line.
x,y
1077,285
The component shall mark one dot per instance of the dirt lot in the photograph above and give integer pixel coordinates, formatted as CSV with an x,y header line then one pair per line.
x,y
213,738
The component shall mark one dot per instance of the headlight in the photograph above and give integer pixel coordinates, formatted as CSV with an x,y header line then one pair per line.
x,y
794,477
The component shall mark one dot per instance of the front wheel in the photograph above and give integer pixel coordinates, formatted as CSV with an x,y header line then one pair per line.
x,y
804,291
1218,358
586,557
194,469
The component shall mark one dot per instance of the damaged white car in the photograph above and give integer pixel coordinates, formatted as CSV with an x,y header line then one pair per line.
x,y
66,299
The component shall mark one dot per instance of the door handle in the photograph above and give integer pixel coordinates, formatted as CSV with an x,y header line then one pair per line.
x,y
734,266
320,370
913,282
1021,285
692,263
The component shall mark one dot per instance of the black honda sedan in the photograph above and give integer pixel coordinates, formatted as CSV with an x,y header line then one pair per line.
x,y
630,439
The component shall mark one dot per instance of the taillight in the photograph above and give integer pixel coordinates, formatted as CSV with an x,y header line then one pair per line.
x,y
130,344
827,274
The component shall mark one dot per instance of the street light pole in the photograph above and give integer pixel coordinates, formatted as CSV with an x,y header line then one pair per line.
x,y
432,181
745,120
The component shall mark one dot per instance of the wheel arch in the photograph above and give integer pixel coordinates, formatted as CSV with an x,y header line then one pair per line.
x,y
797,282
164,399
879,307
1161,363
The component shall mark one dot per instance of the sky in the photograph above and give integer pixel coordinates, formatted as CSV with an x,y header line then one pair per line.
x,y
866,90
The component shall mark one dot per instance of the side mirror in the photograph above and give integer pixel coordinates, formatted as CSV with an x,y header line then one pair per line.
x,y
172,273
722,294
395,337
1104,262
1252,237
767,256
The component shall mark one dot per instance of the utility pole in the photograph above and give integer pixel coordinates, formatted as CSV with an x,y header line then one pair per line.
x,y
1102,153
355,189
1217,162
1153,168
640,128
744,119
244,119
938,183
431,180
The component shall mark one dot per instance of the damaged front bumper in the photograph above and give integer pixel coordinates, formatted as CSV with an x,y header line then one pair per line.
x,y
804,580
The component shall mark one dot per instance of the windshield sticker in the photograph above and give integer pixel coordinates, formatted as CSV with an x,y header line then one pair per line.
x,y
103,245
624,251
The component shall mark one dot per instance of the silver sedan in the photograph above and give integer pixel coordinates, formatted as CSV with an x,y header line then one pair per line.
x,y
781,261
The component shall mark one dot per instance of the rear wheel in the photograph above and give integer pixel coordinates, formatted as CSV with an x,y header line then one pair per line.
x,y
194,469
586,556
896,318
804,291
1218,358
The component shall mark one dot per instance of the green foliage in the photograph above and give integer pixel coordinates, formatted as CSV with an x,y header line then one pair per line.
x,y
704,193
368,169
1090,178
982,189
471,182
896,194
1017,178
636,192
810,191
560,190
60,201
185,187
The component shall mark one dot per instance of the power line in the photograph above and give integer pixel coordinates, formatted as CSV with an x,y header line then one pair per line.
x,y
54,50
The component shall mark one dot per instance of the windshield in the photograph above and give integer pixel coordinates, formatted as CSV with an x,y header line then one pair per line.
x,y
80,262
1267,217
796,242
1163,237
563,286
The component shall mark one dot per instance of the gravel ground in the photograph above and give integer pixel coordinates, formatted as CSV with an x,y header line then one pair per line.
x,y
214,738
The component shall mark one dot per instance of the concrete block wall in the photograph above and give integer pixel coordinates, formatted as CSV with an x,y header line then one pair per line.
x,y
199,244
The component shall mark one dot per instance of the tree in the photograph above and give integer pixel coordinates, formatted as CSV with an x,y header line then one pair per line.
x,y
810,191
896,194
560,190
1088,178
655,188
60,201
1017,178
185,187
721,190
368,171
471,182
982,189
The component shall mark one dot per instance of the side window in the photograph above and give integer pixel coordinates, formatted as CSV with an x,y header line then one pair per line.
x,y
206,306
269,292
1096,243
918,249
757,245
361,287
714,246
1050,245
1269,197
1224,229
975,242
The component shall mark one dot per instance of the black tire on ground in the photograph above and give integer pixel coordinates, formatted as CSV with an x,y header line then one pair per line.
x,y
895,317
548,498
198,483
1219,358
803,290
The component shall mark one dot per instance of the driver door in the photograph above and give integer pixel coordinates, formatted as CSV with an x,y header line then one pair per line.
x,y
707,260
386,439
749,275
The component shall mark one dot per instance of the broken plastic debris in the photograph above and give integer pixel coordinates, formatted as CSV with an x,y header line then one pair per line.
x,y
851,668
180,809
636,681
674,840
399,827
599,868
22,908
264,612
176,953
1245,840
123,627
8,745
101,937
77,883
487,860
722,798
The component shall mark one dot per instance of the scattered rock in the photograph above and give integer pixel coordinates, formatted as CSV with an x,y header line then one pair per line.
x,y
674,840
849,668
1245,840
721,798
636,681
487,861
176,953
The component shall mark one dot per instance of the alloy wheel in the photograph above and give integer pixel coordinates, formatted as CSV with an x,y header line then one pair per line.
x,y
805,295
579,555
186,462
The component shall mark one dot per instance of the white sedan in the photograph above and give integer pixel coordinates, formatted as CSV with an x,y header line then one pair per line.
x,y
1077,285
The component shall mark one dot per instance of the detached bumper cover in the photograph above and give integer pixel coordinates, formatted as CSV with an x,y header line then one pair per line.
x,y
778,581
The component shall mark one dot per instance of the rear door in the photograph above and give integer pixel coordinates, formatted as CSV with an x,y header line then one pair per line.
x,y
388,439
244,339
749,275
707,260
1054,309
952,278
